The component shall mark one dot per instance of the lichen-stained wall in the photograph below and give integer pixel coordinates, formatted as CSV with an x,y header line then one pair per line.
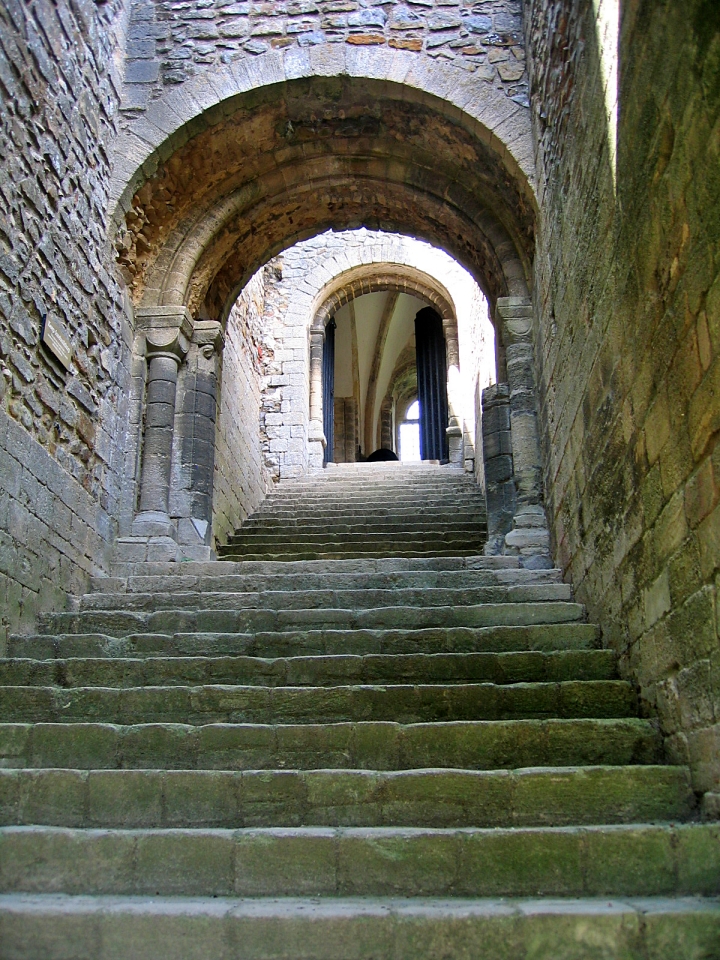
x,y
241,476
59,99
170,41
628,290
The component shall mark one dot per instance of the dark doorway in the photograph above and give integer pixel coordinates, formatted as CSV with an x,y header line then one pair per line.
x,y
328,390
432,384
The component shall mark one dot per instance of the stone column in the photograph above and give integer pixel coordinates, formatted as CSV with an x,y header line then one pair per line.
x,y
500,492
452,355
529,538
167,331
192,490
316,435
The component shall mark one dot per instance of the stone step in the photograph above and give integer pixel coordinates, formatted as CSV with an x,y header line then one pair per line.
x,y
407,579
290,798
323,537
273,512
259,526
121,622
367,565
588,861
545,637
332,551
312,599
313,671
404,703
471,745
391,505
57,927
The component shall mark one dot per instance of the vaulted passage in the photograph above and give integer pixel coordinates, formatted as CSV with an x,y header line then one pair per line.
x,y
263,695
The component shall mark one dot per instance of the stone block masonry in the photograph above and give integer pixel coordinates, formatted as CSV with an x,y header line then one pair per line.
x,y
628,289
63,421
53,533
242,473
171,41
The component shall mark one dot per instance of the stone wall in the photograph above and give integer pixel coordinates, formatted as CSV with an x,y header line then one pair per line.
x,y
170,41
53,533
628,340
242,473
59,110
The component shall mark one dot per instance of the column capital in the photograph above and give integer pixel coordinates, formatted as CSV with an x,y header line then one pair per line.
x,y
167,330
515,318
208,337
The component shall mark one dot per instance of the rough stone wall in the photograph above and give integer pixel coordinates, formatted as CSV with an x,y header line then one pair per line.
x,y
628,346
241,474
170,41
59,110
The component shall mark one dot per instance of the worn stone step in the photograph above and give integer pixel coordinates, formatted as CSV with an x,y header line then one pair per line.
x,y
362,503
272,512
358,539
369,523
572,635
472,745
344,599
313,671
339,551
412,798
57,926
456,579
362,565
649,860
404,703
122,622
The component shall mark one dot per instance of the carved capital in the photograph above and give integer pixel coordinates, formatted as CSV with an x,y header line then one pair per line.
x,y
515,319
208,337
167,331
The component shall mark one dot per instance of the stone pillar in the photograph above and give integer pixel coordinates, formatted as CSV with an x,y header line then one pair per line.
x,y
167,331
529,538
454,428
316,435
498,464
386,424
192,488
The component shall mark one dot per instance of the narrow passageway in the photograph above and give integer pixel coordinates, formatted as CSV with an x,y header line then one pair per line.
x,y
359,499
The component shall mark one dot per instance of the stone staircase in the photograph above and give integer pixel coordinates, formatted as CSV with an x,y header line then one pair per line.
x,y
393,748
348,512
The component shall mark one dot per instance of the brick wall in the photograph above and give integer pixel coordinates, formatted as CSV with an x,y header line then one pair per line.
x,y
629,341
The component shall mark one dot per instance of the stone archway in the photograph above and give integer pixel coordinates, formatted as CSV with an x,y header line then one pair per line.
x,y
217,192
355,283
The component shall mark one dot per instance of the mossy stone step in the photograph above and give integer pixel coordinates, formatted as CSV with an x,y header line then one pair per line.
x,y
639,860
543,637
56,927
406,579
313,671
120,623
415,798
406,703
471,745
343,599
